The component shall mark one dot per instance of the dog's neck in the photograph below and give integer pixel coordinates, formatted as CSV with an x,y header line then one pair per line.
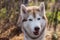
x,y
26,37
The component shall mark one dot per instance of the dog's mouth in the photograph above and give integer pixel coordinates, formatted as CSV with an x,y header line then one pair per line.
x,y
36,33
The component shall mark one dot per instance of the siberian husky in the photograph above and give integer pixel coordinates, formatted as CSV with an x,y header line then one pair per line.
x,y
33,21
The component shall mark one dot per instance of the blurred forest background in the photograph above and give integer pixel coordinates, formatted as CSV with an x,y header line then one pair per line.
x,y
10,18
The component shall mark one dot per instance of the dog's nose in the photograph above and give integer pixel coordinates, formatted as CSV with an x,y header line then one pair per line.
x,y
37,28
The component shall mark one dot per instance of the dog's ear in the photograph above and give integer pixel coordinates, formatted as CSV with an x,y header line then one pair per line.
x,y
23,10
42,9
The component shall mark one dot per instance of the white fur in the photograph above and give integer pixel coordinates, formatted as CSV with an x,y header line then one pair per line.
x,y
30,25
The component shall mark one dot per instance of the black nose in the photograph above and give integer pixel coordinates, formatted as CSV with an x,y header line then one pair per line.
x,y
37,28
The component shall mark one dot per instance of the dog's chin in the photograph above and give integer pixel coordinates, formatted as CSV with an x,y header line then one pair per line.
x,y
36,33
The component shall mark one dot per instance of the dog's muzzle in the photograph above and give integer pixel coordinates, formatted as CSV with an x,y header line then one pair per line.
x,y
41,33
36,31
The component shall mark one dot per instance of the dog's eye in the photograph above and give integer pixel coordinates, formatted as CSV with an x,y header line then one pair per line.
x,y
38,18
30,19
24,20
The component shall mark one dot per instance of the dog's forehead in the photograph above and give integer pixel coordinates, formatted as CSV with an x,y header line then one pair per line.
x,y
32,7
32,10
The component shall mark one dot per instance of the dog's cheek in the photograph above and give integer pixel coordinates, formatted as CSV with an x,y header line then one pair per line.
x,y
24,24
30,27
44,23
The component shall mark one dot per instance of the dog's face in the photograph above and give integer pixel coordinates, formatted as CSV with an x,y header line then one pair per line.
x,y
33,19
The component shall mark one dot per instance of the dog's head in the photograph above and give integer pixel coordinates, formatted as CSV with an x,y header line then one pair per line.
x,y
33,18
